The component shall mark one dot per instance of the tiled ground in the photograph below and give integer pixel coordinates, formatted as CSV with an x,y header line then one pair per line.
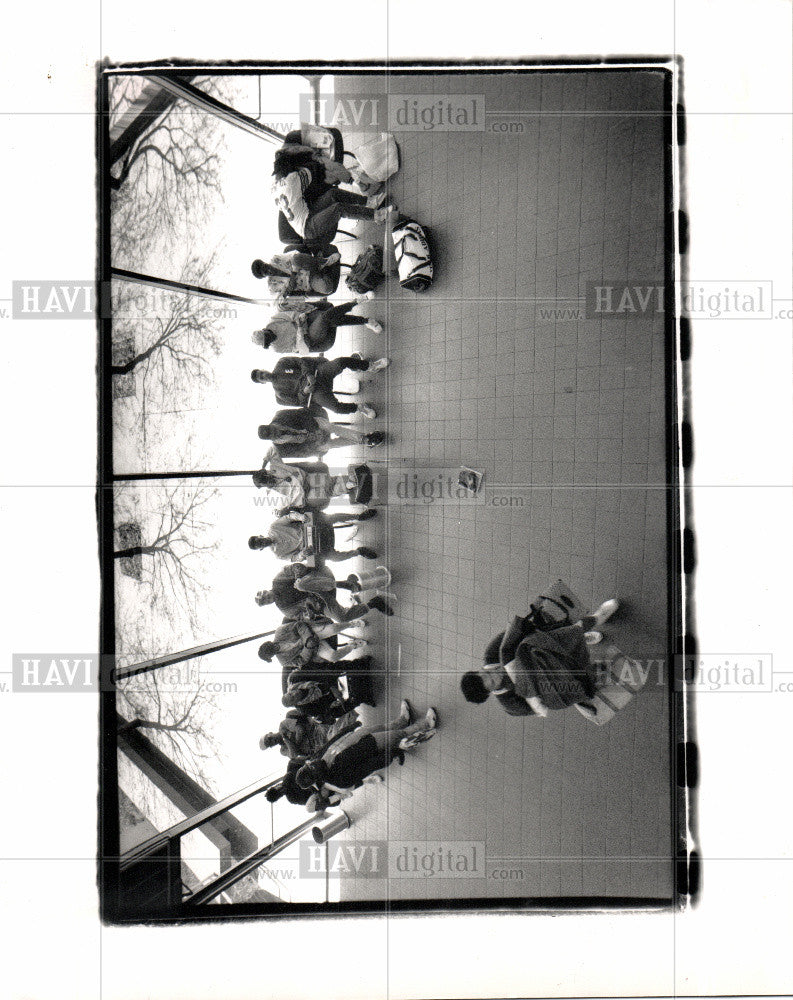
x,y
565,417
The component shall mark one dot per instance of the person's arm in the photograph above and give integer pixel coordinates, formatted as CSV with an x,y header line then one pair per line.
x,y
297,517
339,793
535,703
326,652
300,261
280,468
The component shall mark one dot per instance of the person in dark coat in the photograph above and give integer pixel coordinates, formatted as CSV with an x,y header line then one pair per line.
x,y
300,434
298,591
305,190
314,689
349,759
300,380
533,671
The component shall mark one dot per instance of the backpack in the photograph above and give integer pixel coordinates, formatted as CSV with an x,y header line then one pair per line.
x,y
367,271
413,255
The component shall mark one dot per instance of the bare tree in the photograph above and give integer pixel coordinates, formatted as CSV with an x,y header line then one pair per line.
x,y
177,711
171,550
171,172
175,334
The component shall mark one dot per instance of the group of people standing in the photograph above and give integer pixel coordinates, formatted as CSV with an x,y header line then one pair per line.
x,y
323,680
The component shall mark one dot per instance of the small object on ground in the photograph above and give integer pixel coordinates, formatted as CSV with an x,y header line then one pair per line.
x,y
470,480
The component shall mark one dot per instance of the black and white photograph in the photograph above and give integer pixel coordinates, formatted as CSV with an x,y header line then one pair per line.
x,y
390,431
395,500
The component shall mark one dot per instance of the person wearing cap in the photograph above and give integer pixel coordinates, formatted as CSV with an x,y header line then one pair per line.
x,y
298,273
298,381
300,484
285,536
349,759
297,590
310,327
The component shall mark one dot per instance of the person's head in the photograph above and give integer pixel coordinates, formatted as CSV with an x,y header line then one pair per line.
x,y
264,337
473,687
265,432
262,479
311,773
265,597
286,160
260,376
275,793
270,740
262,269
267,651
258,542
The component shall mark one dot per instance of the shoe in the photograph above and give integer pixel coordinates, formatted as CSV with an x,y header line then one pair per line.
x,y
380,604
357,356
365,297
367,411
381,214
432,718
593,638
374,325
587,710
405,712
368,514
378,365
333,259
605,611
366,553
376,200
374,439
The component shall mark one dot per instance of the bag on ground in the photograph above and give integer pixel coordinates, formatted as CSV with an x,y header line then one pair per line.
x,y
377,155
367,271
413,256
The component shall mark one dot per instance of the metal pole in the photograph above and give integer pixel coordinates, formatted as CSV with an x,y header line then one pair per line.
x,y
169,659
247,865
123,477
178,830
183,286
215,107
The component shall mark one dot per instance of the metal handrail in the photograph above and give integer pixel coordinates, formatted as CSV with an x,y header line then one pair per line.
x,y
249,864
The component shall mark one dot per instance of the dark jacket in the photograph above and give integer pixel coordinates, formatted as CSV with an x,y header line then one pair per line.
x,y
293,380
553,666
351,757
303,423
289,600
